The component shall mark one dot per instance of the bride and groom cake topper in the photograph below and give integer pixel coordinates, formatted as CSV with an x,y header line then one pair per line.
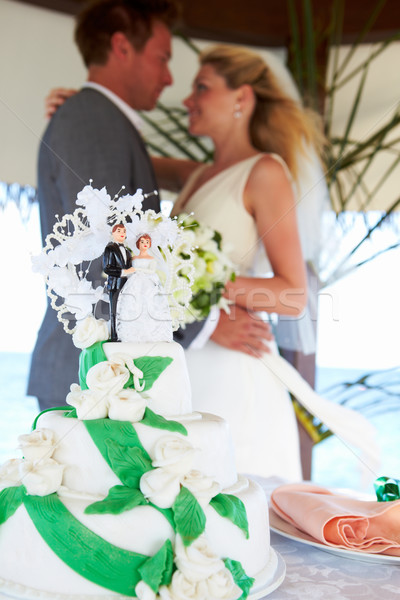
x,y
83,236
138,307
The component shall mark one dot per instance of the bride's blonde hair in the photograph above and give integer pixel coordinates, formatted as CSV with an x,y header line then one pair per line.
x,y
279,124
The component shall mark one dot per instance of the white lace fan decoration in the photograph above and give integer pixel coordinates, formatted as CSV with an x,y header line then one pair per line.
x,y
79,238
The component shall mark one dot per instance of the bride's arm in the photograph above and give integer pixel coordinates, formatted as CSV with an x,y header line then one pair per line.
x,y
270,199
56,98
172,173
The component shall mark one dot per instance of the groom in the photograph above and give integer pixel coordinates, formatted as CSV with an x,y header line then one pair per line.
x,y
117,262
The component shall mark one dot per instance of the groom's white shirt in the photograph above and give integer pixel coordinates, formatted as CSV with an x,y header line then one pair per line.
x,y
129,112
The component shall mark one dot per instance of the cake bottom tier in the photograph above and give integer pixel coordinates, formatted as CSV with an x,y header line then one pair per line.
x,y
30,566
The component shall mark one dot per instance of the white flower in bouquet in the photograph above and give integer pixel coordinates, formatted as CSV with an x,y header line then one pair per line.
x,y
213,268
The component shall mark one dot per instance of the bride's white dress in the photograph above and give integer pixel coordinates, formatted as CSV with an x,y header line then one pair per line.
x,y
241,389
143,313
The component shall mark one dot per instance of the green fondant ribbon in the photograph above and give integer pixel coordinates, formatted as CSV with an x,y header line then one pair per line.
x,y
151,366
387,489
82,550
121,448
11,498
69,412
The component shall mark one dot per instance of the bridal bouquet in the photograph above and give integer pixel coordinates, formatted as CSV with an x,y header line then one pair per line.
x,y
212,267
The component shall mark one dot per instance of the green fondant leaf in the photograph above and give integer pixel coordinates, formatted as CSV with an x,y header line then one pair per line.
x,y
82,550
121,448
190,519
67,410
151,367
157,570
239,577
11,498
232,508
87,359
120,498
129,464
153,420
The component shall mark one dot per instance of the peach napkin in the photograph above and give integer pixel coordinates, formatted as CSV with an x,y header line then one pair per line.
x,y
338,520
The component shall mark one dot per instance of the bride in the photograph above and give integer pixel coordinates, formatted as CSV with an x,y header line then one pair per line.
x,y
143,313
248,195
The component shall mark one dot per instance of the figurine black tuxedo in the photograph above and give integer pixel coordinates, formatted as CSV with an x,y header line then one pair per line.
x,y
116,259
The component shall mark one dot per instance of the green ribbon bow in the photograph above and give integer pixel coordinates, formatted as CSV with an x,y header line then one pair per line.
x,y
387,489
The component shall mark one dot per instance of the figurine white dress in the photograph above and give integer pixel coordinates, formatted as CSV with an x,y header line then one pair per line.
x,y
143,313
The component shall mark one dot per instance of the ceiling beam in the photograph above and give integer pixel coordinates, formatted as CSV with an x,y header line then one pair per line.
x,y
262,23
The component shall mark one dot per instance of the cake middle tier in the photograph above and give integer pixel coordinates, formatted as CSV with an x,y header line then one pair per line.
x,y
87,471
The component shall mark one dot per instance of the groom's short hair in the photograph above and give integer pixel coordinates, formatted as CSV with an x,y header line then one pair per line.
x,y
98,22
118,226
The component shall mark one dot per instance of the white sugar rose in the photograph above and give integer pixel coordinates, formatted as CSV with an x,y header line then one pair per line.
x,y
202,487
41,478
38,444
9,473
89,404
182,588
144,591
128,405
89,331
174,453
160,487
125,360
197,561
221,586
107,376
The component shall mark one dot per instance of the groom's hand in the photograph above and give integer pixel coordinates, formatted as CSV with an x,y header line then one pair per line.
x,y
244,331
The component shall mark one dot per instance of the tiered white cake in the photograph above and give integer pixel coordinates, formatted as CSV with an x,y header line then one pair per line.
x,y
131,493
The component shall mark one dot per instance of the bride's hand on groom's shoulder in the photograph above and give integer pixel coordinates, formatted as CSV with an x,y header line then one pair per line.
x,y
243,331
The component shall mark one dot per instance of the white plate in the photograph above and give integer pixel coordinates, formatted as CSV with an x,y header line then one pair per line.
x,y
290,531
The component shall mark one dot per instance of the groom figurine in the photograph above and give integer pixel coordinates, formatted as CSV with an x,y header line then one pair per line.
x,y
117,263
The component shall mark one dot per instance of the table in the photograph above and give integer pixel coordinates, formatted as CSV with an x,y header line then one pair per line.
x,y
312,574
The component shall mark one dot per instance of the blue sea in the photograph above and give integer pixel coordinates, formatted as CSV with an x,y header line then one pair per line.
x,y
334,464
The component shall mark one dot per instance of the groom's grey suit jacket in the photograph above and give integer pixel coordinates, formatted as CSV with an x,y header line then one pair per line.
x,y
88,138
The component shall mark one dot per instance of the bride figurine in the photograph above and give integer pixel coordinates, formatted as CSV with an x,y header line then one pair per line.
x,y
143,313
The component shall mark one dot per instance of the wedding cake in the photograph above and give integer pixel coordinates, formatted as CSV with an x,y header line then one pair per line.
x,y
125,492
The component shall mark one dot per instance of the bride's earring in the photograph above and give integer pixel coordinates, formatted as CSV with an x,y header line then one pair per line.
x,y
238,113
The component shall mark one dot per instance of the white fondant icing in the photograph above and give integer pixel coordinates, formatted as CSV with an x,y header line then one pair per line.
x,y
203,461
170,393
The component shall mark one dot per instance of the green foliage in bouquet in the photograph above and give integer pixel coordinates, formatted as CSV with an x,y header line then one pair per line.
x,y
213,267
